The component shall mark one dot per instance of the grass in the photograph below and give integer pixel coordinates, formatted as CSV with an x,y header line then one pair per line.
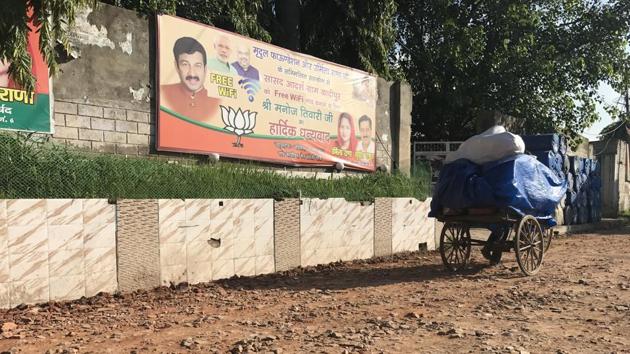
x,y
31,170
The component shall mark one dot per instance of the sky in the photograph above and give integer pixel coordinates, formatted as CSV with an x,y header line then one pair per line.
x,y
610,97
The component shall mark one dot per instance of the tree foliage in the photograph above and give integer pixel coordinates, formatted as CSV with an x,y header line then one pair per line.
x,y
240,16
540,61
52,19
356,33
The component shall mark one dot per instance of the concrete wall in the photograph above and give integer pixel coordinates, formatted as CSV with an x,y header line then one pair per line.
x,y
614,158
104,98
384,125
112,65
624,176
401,99
63,249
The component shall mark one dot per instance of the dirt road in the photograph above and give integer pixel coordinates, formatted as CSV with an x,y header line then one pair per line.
x,y
579,302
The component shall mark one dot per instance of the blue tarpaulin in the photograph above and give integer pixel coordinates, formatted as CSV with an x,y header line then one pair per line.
x,y
570,181
577,164
519,182
562,147
542,142
552,160
572,197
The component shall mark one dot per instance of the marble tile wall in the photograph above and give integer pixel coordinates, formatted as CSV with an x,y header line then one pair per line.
x,y
335,230
410,224
63,249
56,249
208,239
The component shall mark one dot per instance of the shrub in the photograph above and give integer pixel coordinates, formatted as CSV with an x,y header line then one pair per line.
x,y
31,170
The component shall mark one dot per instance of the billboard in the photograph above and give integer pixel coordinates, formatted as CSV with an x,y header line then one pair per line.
x,y
223,93
24,110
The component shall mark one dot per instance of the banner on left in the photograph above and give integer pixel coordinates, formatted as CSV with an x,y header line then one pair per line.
x,y
23,110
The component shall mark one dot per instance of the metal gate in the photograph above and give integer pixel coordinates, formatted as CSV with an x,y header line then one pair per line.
x,y
433,152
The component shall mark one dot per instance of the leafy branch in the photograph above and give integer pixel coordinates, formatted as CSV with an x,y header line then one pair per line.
x,y
51,18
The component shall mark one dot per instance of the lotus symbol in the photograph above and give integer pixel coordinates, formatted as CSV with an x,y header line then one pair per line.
x,y
238,122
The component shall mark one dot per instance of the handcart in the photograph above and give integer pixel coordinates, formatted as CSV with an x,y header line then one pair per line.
x,y
526,235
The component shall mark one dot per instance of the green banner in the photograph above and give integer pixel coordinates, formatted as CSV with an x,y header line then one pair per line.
x,y
20,115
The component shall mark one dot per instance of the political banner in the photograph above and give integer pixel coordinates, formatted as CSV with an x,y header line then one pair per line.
x,y
223,93
24,110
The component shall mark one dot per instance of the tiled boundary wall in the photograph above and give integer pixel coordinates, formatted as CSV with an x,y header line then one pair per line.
x,y
64,249
56,249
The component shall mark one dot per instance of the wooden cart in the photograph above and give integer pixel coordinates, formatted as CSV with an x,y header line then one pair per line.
x,y
523,234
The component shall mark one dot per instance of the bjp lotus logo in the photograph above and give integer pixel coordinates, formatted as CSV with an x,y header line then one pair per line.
x,y
238,122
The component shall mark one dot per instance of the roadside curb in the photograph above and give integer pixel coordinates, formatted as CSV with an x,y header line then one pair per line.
x,y
604,224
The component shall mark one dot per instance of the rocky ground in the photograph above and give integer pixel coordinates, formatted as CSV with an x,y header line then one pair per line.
x,y
579,302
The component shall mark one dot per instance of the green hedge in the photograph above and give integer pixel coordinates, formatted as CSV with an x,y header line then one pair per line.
x,y
30,170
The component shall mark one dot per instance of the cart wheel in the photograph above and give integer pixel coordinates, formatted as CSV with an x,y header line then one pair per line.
x,y
548,237
455,246
529,245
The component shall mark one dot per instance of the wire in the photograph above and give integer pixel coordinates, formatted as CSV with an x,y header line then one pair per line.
x,y
611,136
378,137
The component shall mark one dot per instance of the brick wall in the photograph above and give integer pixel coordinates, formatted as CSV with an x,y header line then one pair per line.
x,y
103,129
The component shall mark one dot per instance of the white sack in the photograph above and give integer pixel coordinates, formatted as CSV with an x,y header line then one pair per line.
x,y
493,144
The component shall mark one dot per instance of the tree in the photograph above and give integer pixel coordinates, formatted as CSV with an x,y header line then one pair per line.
x,y
240,16
539,60
356,33
620,127
51,17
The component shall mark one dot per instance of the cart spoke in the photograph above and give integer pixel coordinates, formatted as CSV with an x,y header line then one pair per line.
x,y
525,257
534,259
538,252
536,256
451,249
455,258
450,254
